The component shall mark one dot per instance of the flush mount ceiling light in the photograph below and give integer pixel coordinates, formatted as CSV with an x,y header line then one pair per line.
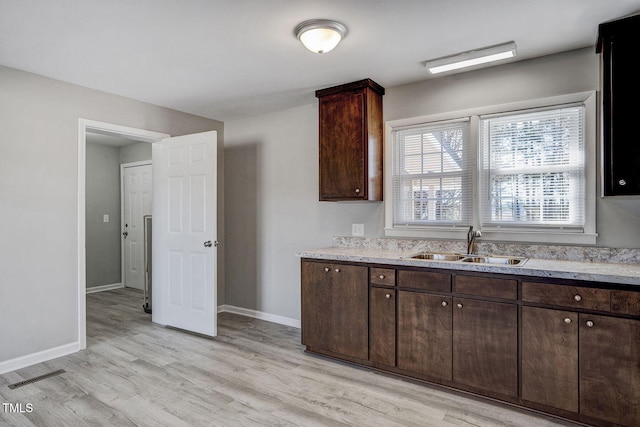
x,y
320,35
472,58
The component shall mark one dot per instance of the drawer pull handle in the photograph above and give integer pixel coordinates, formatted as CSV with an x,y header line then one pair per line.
x,y
337,270
387,296
357,191
382,276
459,305
578,298
589,324
567,320
444,303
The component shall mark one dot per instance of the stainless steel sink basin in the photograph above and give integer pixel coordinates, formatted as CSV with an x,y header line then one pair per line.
x,y
474,259
495,260
439,257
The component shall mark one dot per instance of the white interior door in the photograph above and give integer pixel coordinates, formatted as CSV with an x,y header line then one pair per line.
x,y
184,233
137,191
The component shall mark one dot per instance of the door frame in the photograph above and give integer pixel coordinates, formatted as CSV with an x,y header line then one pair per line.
x,y
84,126
123,166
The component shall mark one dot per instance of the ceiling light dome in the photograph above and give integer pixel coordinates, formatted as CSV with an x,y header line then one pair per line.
x,y
320,35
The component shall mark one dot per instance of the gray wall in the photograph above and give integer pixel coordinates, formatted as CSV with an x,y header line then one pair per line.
x,y
137,152
271,176
39,201
103,197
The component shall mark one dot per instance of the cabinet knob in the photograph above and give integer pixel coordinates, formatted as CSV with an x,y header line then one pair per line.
x,y
357,191
387,296
382,276
589,324
622,182
337,270
567,320
459,305
444,303
577,298
327,269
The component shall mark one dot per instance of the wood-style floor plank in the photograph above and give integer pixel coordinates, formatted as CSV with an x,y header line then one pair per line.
x,y
255,373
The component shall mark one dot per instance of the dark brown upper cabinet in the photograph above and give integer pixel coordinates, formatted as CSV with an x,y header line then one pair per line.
x,y
618,43
351,141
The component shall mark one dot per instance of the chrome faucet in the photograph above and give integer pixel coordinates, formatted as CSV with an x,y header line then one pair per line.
x,y
471,239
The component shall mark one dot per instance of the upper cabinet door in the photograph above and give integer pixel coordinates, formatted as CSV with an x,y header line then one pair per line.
x,y
351,142
618,44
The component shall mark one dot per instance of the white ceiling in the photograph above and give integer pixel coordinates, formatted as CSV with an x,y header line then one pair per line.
x,y
225,59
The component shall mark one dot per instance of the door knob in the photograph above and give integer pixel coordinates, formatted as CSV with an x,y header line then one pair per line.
x,y
208,244
125,234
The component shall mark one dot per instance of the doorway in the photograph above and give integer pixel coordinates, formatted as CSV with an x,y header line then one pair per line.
x,y
86,127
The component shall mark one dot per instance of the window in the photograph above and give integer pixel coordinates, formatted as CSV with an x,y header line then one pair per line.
x,y
533,169
432,175
522,172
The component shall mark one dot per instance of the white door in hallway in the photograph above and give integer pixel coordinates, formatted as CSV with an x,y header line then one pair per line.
x,y
184,233
137,186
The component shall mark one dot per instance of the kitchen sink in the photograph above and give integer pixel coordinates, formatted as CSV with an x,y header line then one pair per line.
x,y
495,260
439,257
474,259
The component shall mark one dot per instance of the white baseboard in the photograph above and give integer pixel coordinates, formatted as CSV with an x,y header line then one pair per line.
x,y
39,357
101,288
259,315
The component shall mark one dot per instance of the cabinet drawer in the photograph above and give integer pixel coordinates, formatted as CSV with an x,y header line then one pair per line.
x,y
567,296
438,282
486,286
625,302
382,276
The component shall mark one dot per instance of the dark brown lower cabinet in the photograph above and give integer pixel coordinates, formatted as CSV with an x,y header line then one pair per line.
x,y
485,345
382,326
424,334
335,308
610,369
550,357
581,366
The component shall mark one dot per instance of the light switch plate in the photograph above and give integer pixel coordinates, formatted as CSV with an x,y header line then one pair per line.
x,y
105,218
357,229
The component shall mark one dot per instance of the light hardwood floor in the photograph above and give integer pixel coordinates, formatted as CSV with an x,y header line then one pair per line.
x,y
255,373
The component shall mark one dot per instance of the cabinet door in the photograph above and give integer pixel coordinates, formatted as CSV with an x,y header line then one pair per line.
x,y
424,334
316,295
621,88
610,369
550,357
485,345
349,311
382,326
342,159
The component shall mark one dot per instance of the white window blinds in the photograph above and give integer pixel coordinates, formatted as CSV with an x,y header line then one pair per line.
x,y
533,172
432,174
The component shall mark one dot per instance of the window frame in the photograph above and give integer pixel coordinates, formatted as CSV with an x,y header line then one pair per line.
x,y
587,235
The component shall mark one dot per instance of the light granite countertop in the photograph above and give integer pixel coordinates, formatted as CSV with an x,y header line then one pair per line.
x,y
608,272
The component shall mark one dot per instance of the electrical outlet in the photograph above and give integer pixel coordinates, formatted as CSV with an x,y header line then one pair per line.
x,y
357,229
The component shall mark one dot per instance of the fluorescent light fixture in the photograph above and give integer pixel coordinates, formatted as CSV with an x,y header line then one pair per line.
x,y
320,35
472,58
